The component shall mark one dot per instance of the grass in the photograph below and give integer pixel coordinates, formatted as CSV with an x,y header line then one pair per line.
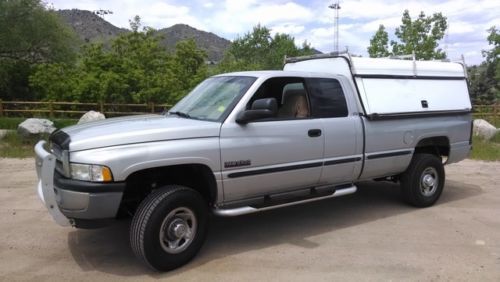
x,y
10,123
14,146
484,150
496,138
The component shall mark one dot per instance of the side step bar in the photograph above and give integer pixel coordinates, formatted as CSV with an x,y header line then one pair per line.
x,y
249,209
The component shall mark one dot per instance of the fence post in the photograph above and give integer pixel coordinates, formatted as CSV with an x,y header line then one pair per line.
x,y
101,107
51,109
495,112
1,108
152,107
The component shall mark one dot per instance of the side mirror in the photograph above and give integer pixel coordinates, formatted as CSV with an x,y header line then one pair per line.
x,y
262,108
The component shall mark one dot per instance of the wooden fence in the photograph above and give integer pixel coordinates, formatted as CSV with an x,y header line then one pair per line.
x,y
74,110
490,113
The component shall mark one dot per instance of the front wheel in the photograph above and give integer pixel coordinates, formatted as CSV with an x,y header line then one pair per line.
x,y
169,227
422,183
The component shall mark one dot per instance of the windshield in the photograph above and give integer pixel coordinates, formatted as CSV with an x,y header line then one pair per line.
x,y
213,98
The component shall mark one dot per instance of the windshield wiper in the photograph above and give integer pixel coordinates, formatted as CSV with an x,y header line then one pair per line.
x,y
181,114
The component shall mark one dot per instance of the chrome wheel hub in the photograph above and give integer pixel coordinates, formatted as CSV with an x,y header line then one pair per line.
x,y
429,181
178,230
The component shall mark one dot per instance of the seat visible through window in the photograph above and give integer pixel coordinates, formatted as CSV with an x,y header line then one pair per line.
x,y
294,104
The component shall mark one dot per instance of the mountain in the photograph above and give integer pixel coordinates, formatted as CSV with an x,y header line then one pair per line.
x,y
89,26
214,45
316,51
92,28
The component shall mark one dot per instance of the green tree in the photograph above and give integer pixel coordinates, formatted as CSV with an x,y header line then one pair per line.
x,y
259,50
54,81
135,69
485,78
190,66
493,39
420,36
284,45
379,43
30,33
253,46
480,85
493,59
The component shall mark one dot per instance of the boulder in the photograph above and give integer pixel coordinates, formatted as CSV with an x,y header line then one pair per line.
x,y
34,127
91,116
484,129
3,132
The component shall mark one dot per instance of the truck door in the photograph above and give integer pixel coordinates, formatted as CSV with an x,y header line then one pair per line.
x,y
341,128
277,154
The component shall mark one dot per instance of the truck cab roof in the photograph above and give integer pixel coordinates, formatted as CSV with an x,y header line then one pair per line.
x,y
279,73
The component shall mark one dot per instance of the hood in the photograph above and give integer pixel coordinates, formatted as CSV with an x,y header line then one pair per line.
x,y
137,129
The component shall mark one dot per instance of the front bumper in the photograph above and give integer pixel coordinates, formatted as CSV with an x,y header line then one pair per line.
x,y
68,200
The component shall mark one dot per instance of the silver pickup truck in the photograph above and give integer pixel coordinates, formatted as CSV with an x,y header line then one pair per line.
x,y
247,142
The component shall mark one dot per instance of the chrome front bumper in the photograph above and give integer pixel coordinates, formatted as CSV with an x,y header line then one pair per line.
x,y
45,166
69,201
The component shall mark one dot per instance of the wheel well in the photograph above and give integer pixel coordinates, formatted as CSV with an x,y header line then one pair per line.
x,y
139,184
439,146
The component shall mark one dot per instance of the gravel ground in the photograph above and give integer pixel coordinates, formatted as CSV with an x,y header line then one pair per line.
x,y
369,235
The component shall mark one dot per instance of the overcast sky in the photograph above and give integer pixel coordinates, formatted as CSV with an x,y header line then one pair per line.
x,y
309,20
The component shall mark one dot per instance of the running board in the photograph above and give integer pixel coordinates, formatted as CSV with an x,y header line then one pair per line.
x,y
249,209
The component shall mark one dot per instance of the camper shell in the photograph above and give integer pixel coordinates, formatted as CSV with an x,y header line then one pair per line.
x,y
395,88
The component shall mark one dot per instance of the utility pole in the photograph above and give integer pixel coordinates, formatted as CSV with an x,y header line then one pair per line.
x,y
336,6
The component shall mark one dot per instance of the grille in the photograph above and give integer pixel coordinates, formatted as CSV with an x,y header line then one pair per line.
x,y
59,145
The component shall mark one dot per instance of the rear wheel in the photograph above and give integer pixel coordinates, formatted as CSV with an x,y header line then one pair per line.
x,y
169,227
422,183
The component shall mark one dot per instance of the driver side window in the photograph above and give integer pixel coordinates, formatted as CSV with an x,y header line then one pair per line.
x,y
290,94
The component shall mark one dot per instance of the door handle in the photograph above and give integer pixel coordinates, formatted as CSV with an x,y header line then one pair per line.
x,y
314,132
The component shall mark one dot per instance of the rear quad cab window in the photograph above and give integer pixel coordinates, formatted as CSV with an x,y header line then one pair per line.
x,y
327,98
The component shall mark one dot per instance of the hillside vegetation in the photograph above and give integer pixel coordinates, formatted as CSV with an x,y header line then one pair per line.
x,y
74,55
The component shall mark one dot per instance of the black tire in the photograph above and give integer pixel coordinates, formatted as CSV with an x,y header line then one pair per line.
x,y
422,183
171,208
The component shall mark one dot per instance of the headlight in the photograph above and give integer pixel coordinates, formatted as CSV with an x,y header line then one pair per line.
x,y
96,173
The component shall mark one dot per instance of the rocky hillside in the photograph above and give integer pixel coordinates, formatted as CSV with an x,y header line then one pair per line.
x,y
214,45
92,28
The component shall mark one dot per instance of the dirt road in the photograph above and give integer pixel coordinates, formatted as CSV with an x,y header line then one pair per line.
x,y
370,235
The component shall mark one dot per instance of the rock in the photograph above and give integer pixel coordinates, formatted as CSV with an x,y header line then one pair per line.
x,y
34,127
484,129
91,116
3,132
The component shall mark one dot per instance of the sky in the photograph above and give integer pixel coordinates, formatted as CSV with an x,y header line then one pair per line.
x,y
312,20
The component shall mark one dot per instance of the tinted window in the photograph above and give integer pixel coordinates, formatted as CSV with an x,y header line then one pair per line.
x,y
327,98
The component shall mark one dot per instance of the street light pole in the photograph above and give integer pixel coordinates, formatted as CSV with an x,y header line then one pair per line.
x,y
336,6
